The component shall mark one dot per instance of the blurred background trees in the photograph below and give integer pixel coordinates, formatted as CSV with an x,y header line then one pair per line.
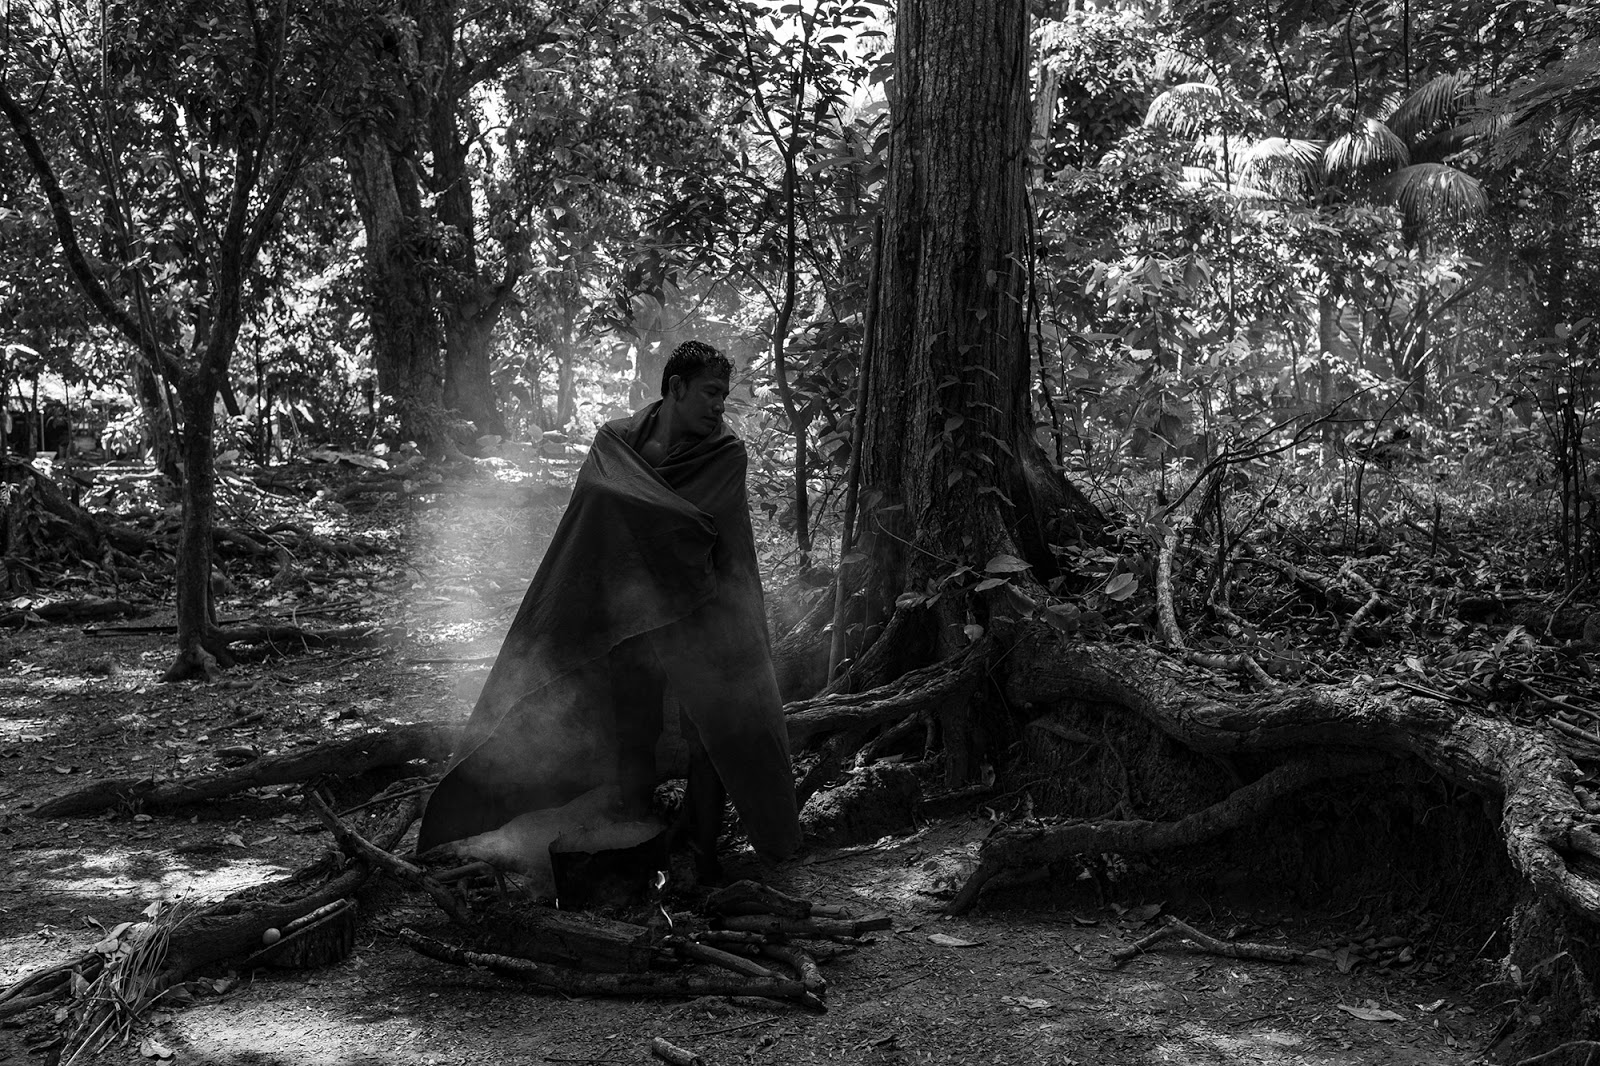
x,y
1244,217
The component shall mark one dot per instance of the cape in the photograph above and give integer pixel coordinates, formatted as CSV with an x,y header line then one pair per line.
x,y
666,551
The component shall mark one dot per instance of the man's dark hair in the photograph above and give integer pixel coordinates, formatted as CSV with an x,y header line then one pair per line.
x,y
691,359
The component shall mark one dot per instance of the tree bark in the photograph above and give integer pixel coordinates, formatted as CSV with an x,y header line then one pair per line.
x,y
950,375
951,473
470,302
199,644
400,299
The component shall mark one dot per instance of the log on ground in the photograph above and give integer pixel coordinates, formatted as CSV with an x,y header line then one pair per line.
x,y
345,757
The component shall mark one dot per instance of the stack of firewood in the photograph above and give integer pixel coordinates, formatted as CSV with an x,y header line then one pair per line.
x,y
749,940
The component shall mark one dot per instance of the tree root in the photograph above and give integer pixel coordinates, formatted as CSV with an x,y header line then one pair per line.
x,y
346,757
1040,846
1550,837
920,691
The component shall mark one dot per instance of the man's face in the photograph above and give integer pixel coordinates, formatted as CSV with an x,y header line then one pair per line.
x,y
700,401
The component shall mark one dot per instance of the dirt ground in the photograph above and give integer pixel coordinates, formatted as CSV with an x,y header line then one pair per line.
x,y
1026,979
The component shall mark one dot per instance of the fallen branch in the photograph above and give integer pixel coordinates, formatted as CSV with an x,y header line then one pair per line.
x,y
752,897
1374,598
804,966
673,1055
772,925
1210,945
691,949
577,983
1588,1047
70,611
1325,590
346,757
357,846
1173,634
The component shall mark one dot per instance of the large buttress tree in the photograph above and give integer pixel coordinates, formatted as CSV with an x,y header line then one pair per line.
x,y
966,533
951,474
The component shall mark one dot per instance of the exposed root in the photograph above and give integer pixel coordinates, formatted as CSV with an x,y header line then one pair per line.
x,y
917,692
1549,835
1040,846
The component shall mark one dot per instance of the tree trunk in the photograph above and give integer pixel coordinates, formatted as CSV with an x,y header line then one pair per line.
x,y
566,369
153,402
198,642
470,304
400,299
951,473
468,386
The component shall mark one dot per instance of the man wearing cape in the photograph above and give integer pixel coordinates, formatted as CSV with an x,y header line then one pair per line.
x,y
649,594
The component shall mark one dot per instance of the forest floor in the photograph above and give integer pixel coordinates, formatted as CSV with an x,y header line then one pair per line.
x,y
1027,978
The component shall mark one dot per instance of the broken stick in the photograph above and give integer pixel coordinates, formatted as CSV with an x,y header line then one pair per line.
x,y
689,949
1210,945
772,924
576,983
670,1052
357,846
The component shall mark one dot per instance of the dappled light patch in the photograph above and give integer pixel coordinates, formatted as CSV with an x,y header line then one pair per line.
x,y
115,872
21,729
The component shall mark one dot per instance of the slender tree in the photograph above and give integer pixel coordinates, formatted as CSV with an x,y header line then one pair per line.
x,y
191,125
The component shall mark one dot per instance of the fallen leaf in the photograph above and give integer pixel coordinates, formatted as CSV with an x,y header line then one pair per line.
x,y
944,940
1429,1008
151,1048
1372,1014
1345,960
1026,1001
235,839
1142,914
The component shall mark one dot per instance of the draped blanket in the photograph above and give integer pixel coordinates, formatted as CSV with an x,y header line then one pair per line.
x,y
665,552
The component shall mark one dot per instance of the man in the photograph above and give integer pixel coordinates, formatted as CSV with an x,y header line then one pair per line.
x,y
649,589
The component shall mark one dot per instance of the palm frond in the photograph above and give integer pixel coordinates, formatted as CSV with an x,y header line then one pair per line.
x,y
1285,166
1187,110
1197,178
1171,63
1437,101
1430,193
1369,150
